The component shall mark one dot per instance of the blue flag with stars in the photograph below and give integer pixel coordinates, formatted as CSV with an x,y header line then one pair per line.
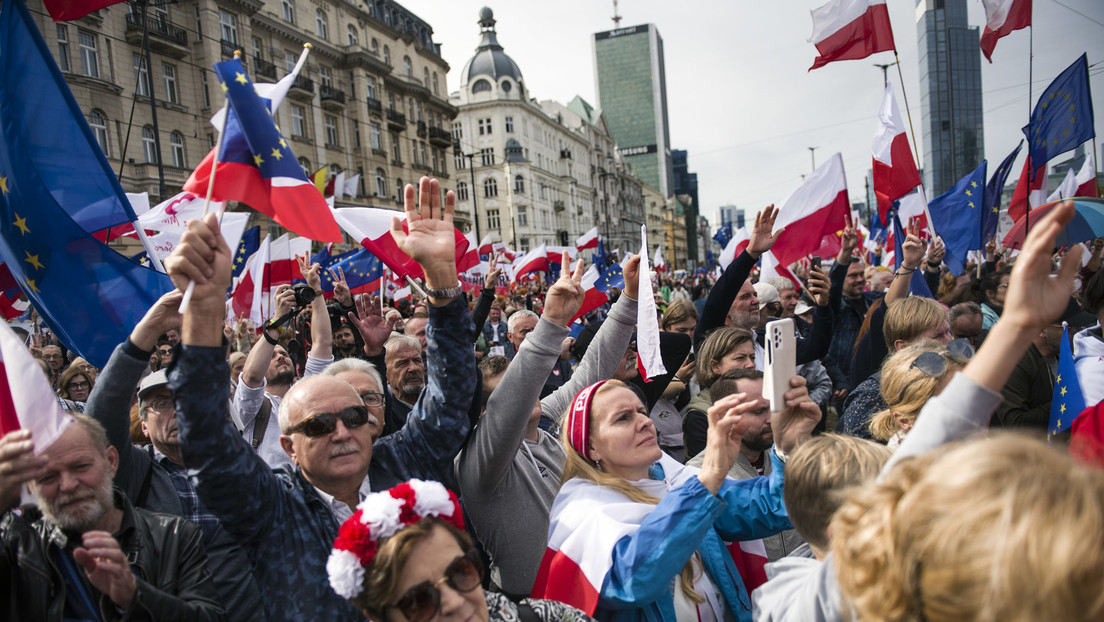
x,y
327,261
723,235
248,245
361,268
1068,401
599,257
990,216
613,277
55,186
1063,116
956,215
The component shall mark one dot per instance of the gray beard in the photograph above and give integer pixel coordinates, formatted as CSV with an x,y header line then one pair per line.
x,y
744,319
83,519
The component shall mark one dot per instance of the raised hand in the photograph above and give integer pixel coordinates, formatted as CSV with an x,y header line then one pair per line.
x,y
849,240
631,271
285,300
493,272
1034,299
566,295
799,418
106,566
819,285
373,329
312,273
162,316
762,239
936,253
341,287
430,239
726,430
202,257
913,249
18,465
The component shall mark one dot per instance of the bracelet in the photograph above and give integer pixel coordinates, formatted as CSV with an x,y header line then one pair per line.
x,y
267,337
902,271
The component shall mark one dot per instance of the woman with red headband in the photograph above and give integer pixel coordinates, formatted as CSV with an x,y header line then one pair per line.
x,y
404,555
635,535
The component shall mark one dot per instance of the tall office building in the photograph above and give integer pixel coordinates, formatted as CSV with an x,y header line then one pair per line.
x,y
950,93
684,185
632,93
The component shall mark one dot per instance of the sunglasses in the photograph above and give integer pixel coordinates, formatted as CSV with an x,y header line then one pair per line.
x,y
421,602
325,423
934,364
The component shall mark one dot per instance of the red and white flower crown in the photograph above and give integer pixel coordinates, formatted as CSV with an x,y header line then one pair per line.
x,y
382,515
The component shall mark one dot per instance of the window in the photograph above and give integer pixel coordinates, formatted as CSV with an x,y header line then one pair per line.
x,y
199,25
356,134
486,156
410,117
330,123
176,145
408,67
325,76
381,183
141,76
228,26
490,188
493,220
396,155
524,244
98,123
398,189
290,60
375,135
374,46
522,216
435,91
391,102
149,145
484,127
457,131
459,161
371,89
321,27
519,184
63,47
481,86
206,92
258,47
419,112
461,191
437,161
298,121
288,8
168,72
422,148
509,125
351,32
387,55
305,164
425,77
90,55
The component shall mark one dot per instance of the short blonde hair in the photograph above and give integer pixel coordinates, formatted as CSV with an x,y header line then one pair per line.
x,y
820,474
678,311
906,389
719,343
1005,529
907,319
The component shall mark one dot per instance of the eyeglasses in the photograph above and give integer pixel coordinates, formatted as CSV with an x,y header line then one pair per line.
x,y
371,398
934,364
421,602
325,423
77,386
162,405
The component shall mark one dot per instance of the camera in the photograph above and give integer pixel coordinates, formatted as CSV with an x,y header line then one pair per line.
x,y
304,294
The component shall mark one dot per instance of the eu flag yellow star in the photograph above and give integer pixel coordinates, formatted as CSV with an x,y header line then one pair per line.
x,y
276,154
1062,409
31,284
283,143
1059,380
240,78
973,184
1064,390
257,159
968,193
21,224
4,185
224,87
33,260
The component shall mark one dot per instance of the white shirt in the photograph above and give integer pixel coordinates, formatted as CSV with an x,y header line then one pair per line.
x,y
340,509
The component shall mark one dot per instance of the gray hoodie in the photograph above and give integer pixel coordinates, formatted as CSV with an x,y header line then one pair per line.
x,y
1088,357
508,483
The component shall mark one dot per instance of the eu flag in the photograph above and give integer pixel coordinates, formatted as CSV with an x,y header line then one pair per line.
x,y
723,235
361,269
990,215
613,277
599,259
55,185
956,215
1063,117
248,245
1068,401
327,261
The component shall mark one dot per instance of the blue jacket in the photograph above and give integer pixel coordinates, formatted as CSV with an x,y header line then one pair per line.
x,y
689,519
284,525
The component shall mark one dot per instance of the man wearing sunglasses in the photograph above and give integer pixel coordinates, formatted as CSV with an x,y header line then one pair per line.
x,y
287,517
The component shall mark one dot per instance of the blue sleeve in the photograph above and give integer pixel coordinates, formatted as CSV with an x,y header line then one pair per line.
x,y
754,506
438,424
230,478
645,562
816,345
721,296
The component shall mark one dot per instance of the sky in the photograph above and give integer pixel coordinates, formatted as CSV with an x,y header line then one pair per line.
x,y
740,99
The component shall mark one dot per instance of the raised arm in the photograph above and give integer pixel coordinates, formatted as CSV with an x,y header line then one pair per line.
x,y
486,299
912,253
321,330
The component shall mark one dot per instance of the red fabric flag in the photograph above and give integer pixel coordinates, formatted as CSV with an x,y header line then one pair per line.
x,y
67,10
850,30
1028,191
813,214
895,172
1002,17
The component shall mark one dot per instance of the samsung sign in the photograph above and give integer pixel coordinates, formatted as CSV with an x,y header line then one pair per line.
x,y
635,151
620,32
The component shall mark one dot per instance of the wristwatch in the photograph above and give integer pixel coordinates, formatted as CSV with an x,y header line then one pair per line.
x,y
448,292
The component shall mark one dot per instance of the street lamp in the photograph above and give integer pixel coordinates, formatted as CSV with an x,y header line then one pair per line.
x,y
471,169
812,155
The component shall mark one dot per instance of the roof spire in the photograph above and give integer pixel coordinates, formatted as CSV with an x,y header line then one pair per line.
x,y
616,17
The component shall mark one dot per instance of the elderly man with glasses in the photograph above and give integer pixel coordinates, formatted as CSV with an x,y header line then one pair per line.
x,y
287,517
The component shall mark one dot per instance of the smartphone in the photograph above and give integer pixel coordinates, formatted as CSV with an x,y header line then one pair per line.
x,y
781,363
816,262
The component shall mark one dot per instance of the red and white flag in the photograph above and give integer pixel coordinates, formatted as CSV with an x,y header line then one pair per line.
x,y
1029,193
371,226
486,247
470,258
850,30
771,268
649,358
555,253
657,259
735,246
274,264
1001,18
535,260
587,240
592,296
1086,178
26,400
813,213
895,172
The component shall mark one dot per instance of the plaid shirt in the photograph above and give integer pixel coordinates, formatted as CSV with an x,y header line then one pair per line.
x,y
193,508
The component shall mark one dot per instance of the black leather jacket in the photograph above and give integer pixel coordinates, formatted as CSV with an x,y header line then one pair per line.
x,y
165,553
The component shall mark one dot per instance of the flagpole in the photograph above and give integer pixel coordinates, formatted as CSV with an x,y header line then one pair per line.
x,y
1030,98
908,113
187,298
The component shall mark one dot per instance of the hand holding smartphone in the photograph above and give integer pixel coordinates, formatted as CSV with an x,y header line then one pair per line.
x,y
781,363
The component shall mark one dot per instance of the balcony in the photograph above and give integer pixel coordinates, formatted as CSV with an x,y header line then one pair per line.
x,y
229,47
557,206
374,106
302,88
165,37
439,137
263,68
396,120
423,131
332,97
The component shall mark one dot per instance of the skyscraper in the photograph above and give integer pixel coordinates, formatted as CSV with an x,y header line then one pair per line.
x,y
950,93
684,185
632,93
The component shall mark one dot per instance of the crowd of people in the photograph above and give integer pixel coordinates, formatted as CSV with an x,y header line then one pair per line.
x,y
456,459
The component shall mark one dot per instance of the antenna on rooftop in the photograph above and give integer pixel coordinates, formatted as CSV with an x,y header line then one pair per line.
x,y
616,17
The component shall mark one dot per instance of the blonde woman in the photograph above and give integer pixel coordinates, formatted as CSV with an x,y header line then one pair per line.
x,y
910,378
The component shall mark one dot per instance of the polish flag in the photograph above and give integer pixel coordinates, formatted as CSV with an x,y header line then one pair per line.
x,y
470,258
26,400
507,253
1086,178
535,260
850,30
250,297
751,561
771,268
593,297
1002,17
1066,189
649,359
895,172
815,211
1028,192
555,253
657,259
587,240
486,247
735,246
371,226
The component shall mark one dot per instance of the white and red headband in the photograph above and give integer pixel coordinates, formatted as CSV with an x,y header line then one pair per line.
x,y
382,515
578,419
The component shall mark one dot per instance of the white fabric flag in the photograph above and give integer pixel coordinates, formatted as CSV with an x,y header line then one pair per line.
x,y
649,358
